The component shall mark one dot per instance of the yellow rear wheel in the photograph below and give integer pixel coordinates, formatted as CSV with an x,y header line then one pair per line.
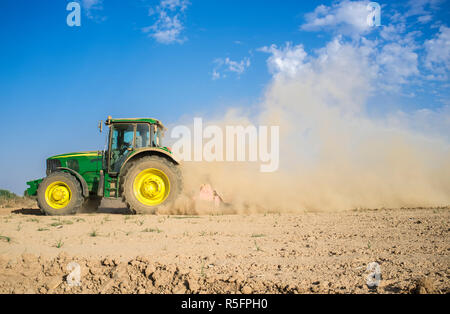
x,y
151,187
150,183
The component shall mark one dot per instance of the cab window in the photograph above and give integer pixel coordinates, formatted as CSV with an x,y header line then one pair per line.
x,y
142,135
121,140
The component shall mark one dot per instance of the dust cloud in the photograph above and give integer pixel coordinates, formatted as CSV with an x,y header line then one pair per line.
x,y
334,155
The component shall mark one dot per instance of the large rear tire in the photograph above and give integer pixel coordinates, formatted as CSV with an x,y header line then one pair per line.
x,y
151,182
60,194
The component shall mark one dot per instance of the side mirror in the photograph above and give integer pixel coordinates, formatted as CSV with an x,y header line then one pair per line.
x,y
100,126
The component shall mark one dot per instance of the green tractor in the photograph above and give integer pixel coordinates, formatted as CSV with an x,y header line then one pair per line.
x,y
135,167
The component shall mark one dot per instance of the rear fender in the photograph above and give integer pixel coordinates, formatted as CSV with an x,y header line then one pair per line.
x,y
148,152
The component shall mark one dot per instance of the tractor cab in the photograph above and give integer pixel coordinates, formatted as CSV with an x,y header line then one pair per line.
x,y
127,136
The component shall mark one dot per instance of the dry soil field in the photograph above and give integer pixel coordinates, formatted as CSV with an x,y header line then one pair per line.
x,y
266,253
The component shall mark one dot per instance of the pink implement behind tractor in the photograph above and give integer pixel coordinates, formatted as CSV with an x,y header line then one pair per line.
x,y
209,195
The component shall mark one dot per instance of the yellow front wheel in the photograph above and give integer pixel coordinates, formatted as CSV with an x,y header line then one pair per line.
x,y
60,194
151,187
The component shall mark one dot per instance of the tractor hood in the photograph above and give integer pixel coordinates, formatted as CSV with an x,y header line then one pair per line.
x,y
86,164
92,154
81,162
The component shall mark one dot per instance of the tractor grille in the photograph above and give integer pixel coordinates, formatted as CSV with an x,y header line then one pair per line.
x,y
52,164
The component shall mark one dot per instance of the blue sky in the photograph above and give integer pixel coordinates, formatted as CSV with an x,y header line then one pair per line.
x,y
173,58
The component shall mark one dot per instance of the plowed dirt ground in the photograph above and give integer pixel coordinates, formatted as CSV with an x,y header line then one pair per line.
x,y
265,253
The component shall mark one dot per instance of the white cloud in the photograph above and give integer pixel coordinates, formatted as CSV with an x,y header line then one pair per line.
x,y
337,63
222,66
216,75
393,31
421,7
388,67
90,6
168,27
288,60
437,50
345,17
425,18
399,56
174,5
398,63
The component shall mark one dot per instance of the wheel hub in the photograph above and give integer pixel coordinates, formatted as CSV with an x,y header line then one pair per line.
x,y
151,187
58,195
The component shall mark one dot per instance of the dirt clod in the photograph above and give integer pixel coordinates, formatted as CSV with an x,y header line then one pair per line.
x,y
424,286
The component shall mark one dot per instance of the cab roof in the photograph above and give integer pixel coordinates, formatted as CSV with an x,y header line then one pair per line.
x,y
110,121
